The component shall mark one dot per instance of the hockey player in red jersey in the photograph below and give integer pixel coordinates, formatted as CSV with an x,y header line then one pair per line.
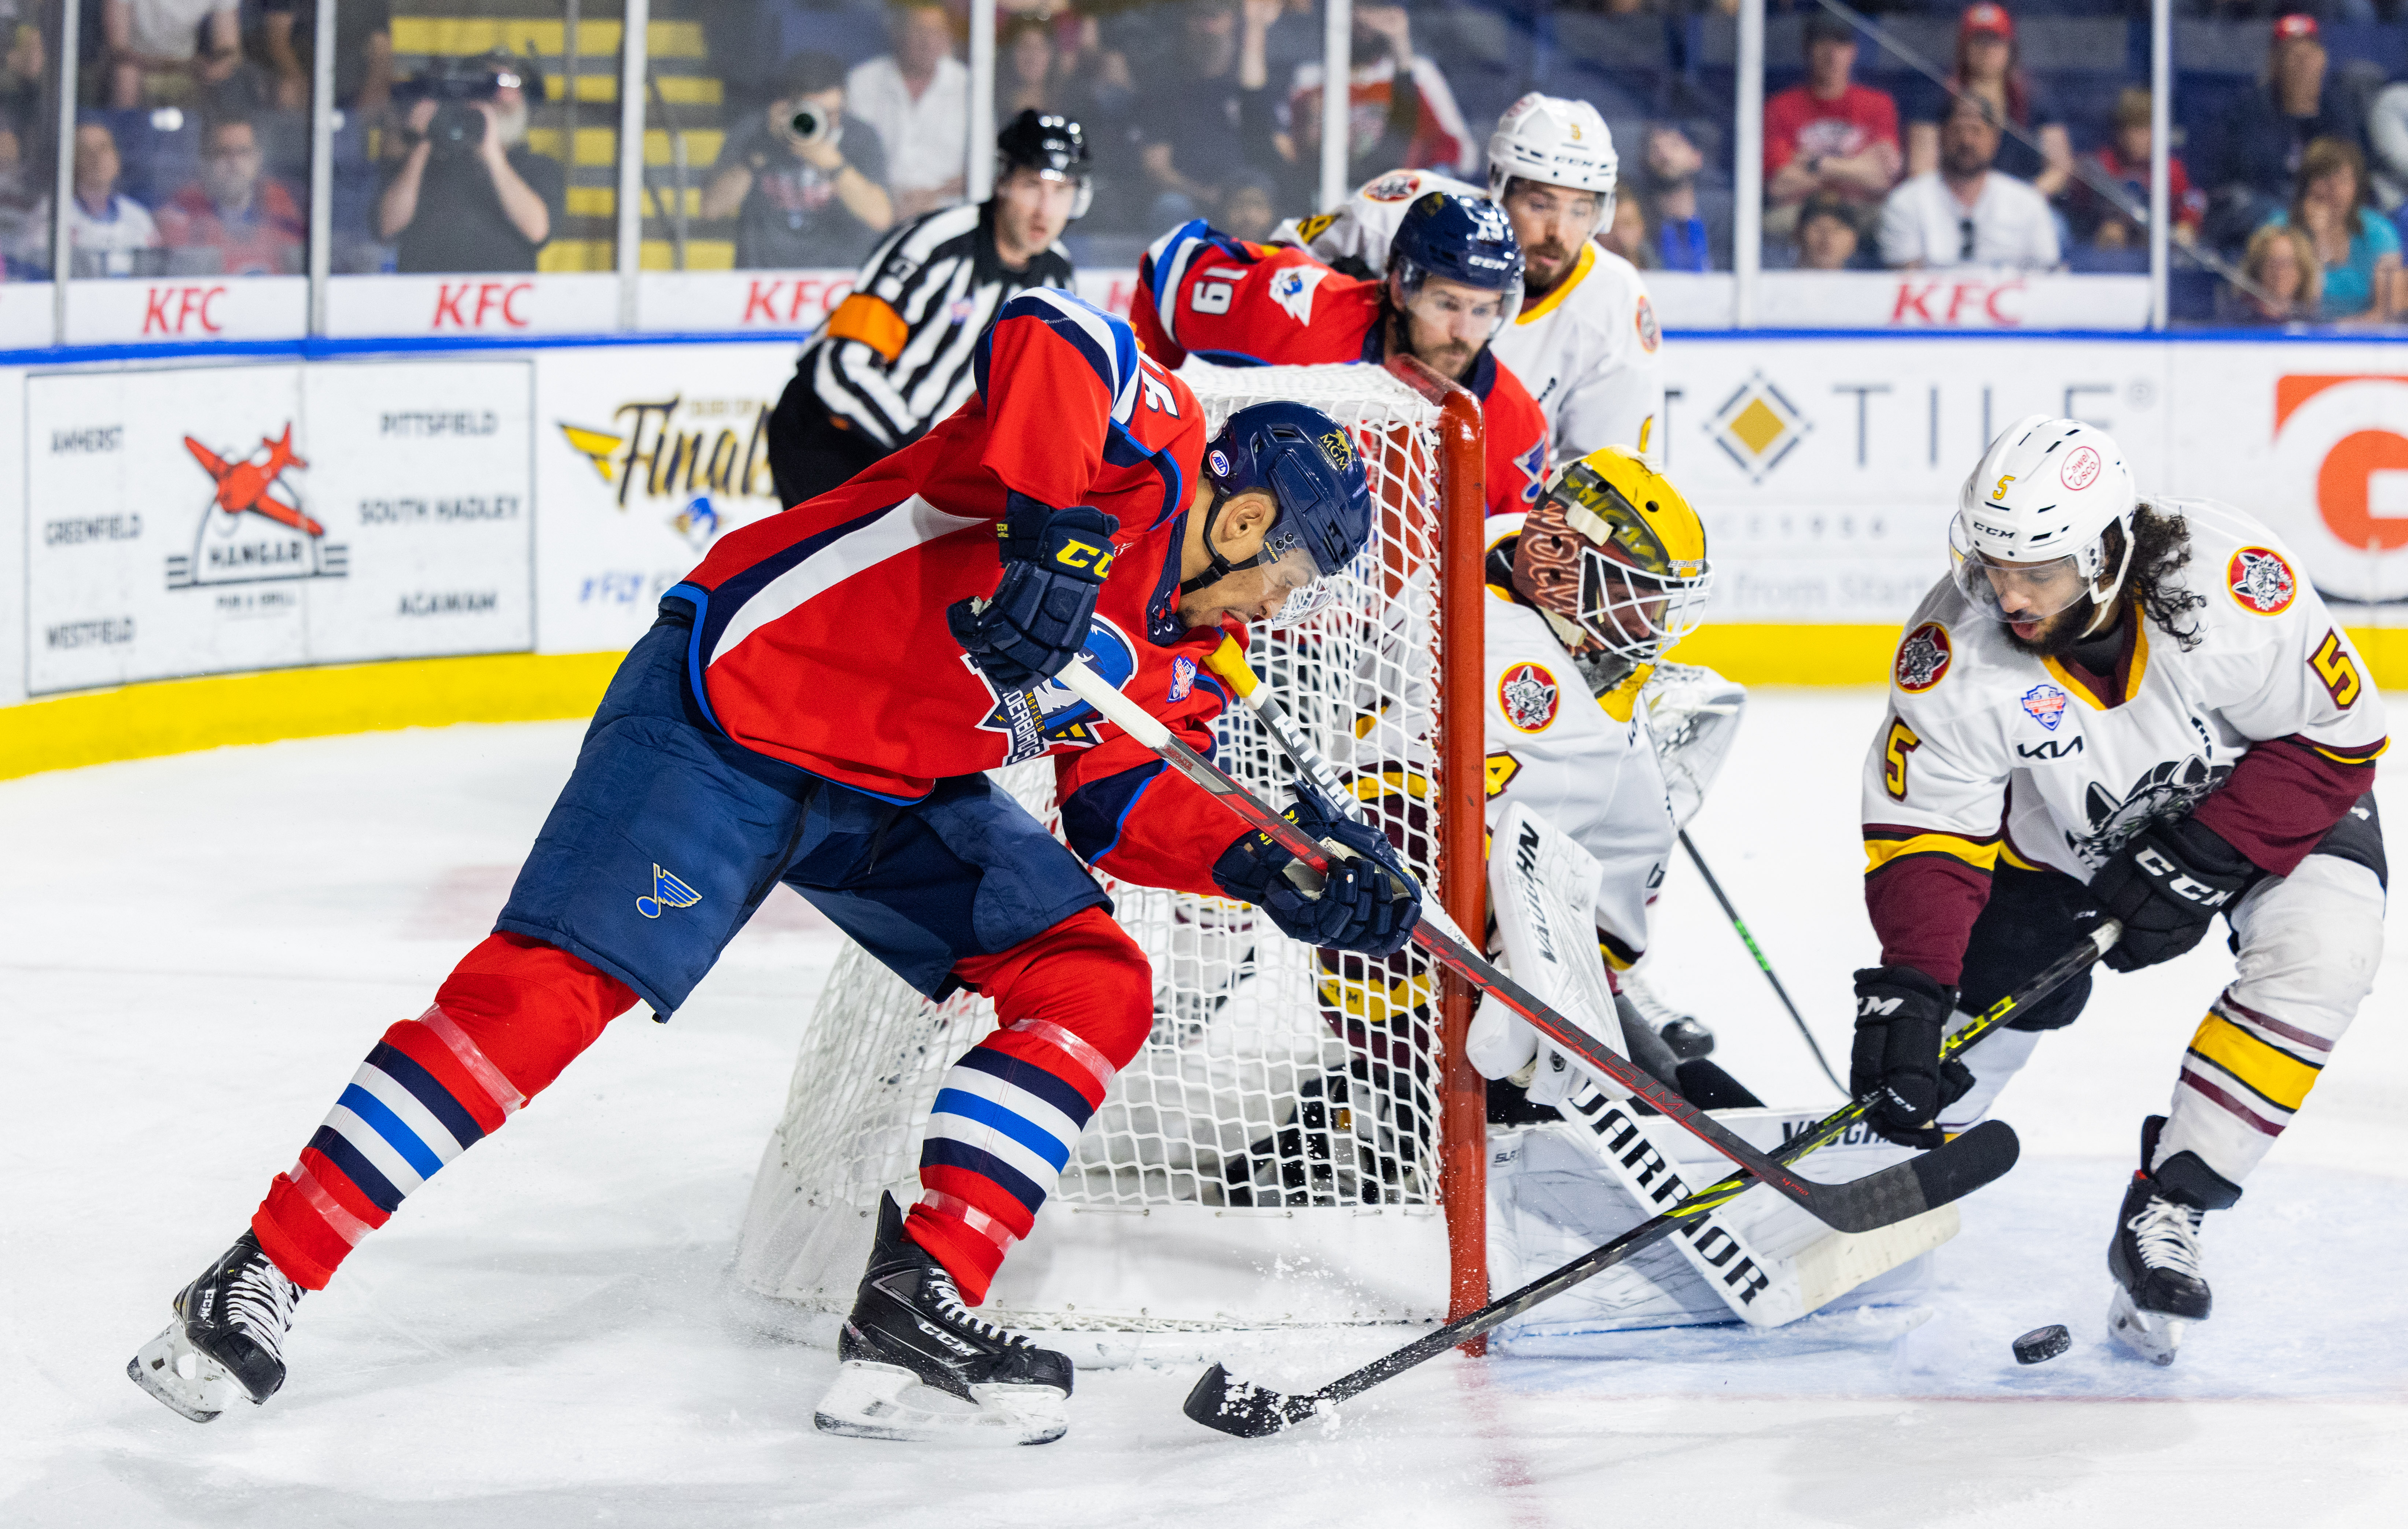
x,y
1454,282
816,706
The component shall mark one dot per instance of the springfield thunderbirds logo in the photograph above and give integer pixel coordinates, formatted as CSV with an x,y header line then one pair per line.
x,y
252,526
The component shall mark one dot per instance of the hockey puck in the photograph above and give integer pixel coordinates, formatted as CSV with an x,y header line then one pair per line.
x,y
2043,1344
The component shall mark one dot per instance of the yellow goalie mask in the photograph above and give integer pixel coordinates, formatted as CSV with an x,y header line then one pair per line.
x,y
1615,558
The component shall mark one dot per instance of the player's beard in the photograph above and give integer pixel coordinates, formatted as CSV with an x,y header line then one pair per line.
x,y
2058,634
1450,360
1546,265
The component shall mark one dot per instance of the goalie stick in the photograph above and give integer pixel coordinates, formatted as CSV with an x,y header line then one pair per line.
x,y
1251,1411
1902,1190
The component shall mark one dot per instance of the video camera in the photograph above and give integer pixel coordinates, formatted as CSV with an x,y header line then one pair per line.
x,y
458,128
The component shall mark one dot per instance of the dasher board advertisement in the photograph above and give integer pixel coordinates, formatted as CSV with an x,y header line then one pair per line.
x,y
208,520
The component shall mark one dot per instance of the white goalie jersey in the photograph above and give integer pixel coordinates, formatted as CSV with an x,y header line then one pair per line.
x,y
1990,754
1590,351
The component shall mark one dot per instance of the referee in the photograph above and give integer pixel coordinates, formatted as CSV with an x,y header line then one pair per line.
x,y
894,357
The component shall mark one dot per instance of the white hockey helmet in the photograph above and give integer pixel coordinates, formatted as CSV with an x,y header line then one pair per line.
x,y
2033,517
1557,142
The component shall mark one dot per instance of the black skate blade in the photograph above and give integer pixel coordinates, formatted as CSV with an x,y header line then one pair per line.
x,y
1927,1182
1242,1409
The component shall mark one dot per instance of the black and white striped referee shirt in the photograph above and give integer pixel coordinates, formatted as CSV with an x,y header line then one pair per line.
x,y
894,357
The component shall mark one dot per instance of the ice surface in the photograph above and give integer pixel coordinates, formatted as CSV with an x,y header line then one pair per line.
x,y
197,952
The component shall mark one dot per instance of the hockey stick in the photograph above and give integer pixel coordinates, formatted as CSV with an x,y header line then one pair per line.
x,y
1761,964
1896,1192
1229,661
1251,1411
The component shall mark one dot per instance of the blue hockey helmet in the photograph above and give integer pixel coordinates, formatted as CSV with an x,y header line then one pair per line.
x,y
1461,237
1308,465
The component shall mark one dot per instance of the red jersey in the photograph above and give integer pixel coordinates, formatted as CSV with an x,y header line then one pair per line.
x,y
820,635
1796,125
271,239
1202,293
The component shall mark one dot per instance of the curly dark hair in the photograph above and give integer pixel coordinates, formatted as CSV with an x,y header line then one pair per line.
x,y
2160,552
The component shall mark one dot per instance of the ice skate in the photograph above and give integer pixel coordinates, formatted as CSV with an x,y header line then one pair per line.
x,y
2160,1288
227,1339
1688,1038
919,1365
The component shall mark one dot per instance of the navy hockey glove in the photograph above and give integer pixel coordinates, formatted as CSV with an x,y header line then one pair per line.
x,y
1901,1014
2167,885
1055,564
1366,903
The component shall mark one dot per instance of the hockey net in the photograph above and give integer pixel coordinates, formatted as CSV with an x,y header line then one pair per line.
x,y
1274,1155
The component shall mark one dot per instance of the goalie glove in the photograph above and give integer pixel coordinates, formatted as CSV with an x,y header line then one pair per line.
x,y
1366,903
1692,715
1902,1015
1055,564
2166,885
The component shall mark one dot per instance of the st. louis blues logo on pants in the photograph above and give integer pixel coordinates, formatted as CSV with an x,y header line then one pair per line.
x,y
667,892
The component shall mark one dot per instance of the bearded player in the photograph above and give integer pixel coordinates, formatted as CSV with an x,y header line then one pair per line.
x,y
817,705
1586,342
2125,709
1453,283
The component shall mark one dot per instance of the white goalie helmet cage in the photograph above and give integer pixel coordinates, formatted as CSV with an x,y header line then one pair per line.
x,y
1557,142
2038,505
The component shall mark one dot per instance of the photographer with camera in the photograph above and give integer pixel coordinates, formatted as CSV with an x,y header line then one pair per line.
x,y
805,178
467,194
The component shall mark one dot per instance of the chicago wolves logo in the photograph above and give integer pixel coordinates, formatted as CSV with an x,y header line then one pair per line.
x,y
1922,658
2261,580
1527,694
1292,290
1393,188
2047,704
1651,335
2168,789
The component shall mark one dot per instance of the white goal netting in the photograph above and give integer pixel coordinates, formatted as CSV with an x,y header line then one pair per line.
x,y
1271,1157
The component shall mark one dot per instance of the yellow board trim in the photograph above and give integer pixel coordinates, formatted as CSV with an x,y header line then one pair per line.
x,y
1880,852
2282,1079
174,716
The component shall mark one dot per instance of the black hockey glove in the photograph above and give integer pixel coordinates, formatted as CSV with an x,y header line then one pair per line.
x,y
1366,903
2167,885
1054,562
1902,1015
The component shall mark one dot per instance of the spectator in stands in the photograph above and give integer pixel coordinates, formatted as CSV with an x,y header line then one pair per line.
x,y
2125,161
1829,234
107,231
489,206
1403,112
2266,134
1626,235
1249,210
918,99
2356,247
1685,239
1965,213
803,202
288,33
1986,67
1023,71
2386,142
1829,136
2281,263
25,244
168,52
21,55
1207,115
254,223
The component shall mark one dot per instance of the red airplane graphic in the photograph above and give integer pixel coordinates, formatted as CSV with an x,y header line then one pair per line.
x,y
244,485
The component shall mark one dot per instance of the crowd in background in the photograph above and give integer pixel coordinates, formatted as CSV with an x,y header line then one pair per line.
x,y
191,150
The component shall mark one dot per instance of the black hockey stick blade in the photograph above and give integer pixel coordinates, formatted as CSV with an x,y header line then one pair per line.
x,y
1245,1410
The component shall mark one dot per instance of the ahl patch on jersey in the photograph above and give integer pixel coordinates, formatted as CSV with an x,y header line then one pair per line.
x,y
1527,694
1292,290
1923,658
2261,580
2047,704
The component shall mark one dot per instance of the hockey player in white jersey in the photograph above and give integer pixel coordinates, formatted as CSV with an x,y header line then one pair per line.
x,y
2133,710
1586,342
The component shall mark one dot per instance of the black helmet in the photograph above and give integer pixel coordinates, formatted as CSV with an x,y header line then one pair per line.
x,y
1053,146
